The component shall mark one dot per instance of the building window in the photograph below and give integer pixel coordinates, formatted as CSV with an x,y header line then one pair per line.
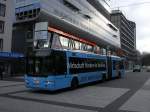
x,y
2,9
18,1
1,44
2,23
71,6
64,42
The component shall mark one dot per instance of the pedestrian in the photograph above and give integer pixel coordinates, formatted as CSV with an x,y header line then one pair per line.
x,y
1,72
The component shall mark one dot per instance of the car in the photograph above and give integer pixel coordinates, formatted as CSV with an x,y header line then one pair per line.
x,y
137,68
148,69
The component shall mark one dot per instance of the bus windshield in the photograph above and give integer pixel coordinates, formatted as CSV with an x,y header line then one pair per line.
x,y
54,64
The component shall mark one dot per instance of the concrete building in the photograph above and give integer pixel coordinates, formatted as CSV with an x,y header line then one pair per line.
x,y
8,59
80,18
103,6
127,34
6,21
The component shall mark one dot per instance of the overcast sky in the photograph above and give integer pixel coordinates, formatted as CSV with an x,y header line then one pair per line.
x,y
141,15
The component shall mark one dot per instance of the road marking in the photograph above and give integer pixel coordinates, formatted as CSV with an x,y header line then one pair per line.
x,y
91,96
140,101
9,83
16,104
6,90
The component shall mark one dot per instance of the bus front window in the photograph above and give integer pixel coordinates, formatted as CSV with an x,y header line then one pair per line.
x,y
54,64
40,66
37,66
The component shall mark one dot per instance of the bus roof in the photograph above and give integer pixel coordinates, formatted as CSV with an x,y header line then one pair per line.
x,y
93,55
84,54
116,57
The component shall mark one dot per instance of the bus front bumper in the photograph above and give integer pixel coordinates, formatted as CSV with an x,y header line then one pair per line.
x,y
40,83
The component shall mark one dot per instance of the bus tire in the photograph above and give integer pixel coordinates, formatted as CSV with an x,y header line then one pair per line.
x,y
119,75
104,77
74,83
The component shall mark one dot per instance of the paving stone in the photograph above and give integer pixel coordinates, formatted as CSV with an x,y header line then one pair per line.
x,y
139,102
90,96
14,105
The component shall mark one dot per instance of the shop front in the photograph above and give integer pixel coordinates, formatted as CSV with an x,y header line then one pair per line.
x,y
12,64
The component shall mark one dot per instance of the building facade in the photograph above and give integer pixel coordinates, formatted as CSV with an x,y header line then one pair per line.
x,y
8,60
80,18
6,21
103,6
127,34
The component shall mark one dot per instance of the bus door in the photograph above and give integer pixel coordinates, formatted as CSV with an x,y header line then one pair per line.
x,y
109,67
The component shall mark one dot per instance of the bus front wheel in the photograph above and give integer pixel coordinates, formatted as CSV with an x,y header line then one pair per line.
x,y
74,83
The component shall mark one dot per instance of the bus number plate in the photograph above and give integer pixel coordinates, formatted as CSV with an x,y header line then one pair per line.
x,y
36,82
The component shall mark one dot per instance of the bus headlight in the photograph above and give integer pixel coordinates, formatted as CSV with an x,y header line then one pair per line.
x,y
49,82
26,81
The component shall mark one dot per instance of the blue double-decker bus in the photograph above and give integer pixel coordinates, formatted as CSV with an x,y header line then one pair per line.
x,y
58,69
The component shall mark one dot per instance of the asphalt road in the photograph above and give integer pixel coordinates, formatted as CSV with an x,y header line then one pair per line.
x,y
129,94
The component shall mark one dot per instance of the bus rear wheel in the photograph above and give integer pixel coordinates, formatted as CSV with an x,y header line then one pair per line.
x,y
119,75
104,77
74,83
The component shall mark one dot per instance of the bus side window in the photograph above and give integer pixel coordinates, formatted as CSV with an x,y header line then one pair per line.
x,y
114,65
60,63
83,65
121,65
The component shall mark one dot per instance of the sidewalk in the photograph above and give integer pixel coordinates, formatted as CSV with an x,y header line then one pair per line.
x,y
16,79
127,71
